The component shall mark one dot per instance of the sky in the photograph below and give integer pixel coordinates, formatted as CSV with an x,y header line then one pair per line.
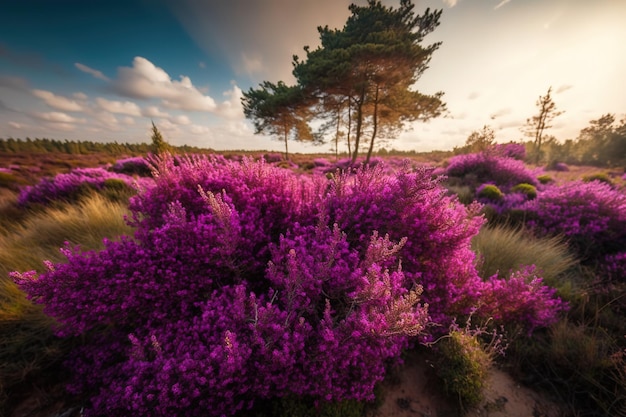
x,y
102,70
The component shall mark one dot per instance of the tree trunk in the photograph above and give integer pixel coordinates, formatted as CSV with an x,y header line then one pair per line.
x,y
286,147
359,126
349,128
375,127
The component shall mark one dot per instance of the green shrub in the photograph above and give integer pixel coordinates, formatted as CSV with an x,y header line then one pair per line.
x,y
598,176
489,192
528,189
545,179
463,366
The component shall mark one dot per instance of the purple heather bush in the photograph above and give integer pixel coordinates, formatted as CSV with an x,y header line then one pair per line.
x,y
69,185
479,168
509,150
136,165
245,281
613,268
591,215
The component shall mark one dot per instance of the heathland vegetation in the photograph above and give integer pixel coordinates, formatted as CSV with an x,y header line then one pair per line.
x,y
157,280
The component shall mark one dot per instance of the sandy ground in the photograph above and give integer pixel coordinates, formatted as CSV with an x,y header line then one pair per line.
x,y
414,391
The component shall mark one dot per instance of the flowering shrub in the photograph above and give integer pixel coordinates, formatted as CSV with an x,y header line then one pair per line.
x,y
478,168
521,299
509,150
591,215
614,267
132,166
245,281
71,185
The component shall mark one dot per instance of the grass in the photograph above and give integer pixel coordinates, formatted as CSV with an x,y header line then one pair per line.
x,y
29,351
41,234
502,249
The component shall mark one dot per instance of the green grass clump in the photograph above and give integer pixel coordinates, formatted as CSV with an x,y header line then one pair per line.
x,y
545,179
598,176
491,192
528,189
41,234
502,249
463,366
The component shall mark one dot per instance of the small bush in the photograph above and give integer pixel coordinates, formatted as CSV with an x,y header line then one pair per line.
x,y
484,168
545,179
530,191
463,366
137,165
598,176
489,192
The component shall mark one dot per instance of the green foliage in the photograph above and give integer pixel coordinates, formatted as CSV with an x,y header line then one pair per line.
x,y
490,192
279,110
117,190
528,189
598,176
479,141
362,76
159,145
463,366
545,179
502,249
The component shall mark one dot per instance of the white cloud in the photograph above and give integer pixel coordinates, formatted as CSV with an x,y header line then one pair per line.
x,y
128,121
80,96
15,125
57,117
57,102
145,80
91,71
563,88
181,120
123,107
107,120
153,111
450,3
502,3
232,107
199,130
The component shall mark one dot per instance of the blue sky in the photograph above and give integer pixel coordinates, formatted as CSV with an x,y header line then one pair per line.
x,y
102,70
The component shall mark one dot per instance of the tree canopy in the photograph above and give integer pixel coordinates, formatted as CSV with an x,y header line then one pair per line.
x,y
279,110
361,79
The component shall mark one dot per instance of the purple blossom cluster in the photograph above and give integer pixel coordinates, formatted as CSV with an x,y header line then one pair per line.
x,y
521,299
614,268
509,150
245,281
479,168
67,186
591,215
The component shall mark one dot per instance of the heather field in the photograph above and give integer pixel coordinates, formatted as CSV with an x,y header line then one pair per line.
x,y
243,284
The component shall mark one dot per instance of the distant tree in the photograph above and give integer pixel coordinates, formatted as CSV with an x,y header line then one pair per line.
x,y
602,142
280,110
480,140
372,65
159,145
537,125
